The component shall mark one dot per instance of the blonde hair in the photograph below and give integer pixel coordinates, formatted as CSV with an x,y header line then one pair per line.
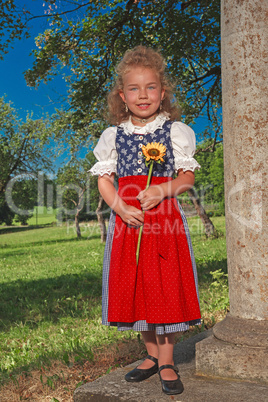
x,y
145,57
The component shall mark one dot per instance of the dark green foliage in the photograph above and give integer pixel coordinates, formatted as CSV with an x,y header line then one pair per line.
x,y
22,144
6,215
12,24
78,190
23,153
209,180
24,195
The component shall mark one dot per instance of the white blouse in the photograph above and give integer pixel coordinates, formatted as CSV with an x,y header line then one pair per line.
x,y
182,138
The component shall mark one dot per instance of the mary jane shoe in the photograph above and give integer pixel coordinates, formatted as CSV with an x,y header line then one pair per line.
x,y
172,387
137,375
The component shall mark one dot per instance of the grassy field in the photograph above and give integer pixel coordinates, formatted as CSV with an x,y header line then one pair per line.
x,y
50,298
43,216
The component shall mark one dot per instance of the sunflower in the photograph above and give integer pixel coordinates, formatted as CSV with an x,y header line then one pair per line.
x,y
154,151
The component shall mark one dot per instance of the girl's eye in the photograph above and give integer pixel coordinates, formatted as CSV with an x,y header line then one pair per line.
x,y
133,89
151,87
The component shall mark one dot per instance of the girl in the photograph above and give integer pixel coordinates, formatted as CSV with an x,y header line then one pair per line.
x,y
158,296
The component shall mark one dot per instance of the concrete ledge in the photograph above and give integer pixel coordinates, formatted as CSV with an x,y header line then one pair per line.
x,y
221,359
113,387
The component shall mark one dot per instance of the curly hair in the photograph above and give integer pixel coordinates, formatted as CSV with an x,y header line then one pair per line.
x,y
148,58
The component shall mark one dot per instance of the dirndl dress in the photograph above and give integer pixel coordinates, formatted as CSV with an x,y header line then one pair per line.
x,y
161,292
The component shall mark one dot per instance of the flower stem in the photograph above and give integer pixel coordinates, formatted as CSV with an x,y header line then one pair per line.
x,y
141,228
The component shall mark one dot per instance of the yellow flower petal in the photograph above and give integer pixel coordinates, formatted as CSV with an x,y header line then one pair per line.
x,y
154,151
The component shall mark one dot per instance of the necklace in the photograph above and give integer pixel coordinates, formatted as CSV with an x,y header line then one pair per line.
x,y
143,120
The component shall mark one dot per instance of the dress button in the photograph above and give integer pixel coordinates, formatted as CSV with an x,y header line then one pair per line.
x,y
140,145
140,137
139,161
139,153
139,170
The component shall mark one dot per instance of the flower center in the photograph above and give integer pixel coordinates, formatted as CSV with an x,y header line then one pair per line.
x,y
153,152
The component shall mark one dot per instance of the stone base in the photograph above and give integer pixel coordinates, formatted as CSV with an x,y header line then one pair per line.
x,y
113,388
225,354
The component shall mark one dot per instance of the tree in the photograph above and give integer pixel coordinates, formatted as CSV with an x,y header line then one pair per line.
x,y
12,24
22,144
24,196
210,179
85,49
78,194
6,215
72,186
23,148
216,173
15,18
209,183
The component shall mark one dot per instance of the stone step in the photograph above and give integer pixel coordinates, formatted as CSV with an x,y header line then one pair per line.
x,y
113,388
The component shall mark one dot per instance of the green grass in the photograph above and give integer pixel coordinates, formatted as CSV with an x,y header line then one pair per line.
x,y
211,261
42,216
50,293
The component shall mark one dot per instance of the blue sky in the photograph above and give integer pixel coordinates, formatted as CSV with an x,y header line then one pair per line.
x,y
26,100
16,61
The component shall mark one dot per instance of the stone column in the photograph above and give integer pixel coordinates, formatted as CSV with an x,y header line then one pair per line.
x,y
238,347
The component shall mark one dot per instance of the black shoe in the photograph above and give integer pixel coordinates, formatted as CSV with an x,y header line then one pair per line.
x,y
137,375
172,387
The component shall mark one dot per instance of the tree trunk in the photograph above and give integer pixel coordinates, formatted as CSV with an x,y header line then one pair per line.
x,y
78,231
101,220
209,227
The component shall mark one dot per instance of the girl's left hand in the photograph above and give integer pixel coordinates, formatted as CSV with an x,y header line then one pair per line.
x,y
151,197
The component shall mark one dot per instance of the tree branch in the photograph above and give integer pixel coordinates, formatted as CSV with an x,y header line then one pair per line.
x,y
213,71
57,14
208,95
186,5
210,147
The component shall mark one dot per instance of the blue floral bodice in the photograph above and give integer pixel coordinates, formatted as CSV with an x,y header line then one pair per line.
x,y
131,161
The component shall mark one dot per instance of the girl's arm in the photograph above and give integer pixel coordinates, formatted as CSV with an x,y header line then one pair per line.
x,y
155,194
129,214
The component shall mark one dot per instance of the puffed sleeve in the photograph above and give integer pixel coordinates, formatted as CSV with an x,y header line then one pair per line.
x,y
183,142
106,154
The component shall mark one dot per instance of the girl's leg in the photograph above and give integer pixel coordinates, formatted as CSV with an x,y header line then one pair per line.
x,y
165,345
150,341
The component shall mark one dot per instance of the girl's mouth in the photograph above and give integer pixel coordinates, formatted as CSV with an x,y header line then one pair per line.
x,y
143,105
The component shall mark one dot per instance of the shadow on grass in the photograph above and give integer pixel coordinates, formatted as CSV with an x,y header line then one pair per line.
x,y
14,229
58,241
74,295
43,243
204,269
36,301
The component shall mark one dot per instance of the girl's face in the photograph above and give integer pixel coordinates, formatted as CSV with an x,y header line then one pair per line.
x,y
142,92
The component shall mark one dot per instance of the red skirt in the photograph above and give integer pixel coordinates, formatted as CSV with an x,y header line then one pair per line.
x,y
161,288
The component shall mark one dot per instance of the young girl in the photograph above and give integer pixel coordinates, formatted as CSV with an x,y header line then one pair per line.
x,y
159,295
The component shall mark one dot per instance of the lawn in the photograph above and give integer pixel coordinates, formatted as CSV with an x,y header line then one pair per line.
x,y
50,300
43,216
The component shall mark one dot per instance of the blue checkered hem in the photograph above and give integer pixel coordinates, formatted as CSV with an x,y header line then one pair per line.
x,y
142,325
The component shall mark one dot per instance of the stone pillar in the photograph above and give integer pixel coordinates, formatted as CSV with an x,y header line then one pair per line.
x,y
238,347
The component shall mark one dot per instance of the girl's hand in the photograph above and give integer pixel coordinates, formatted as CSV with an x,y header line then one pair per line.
x,y
131,216
151,197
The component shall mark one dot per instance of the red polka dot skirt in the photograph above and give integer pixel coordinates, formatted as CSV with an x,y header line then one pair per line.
x,y
161,288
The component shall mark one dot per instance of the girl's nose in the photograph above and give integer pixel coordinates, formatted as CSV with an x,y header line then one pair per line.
x,y
143,93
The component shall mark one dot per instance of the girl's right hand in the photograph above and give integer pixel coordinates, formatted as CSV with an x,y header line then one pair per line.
x,y
131,215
